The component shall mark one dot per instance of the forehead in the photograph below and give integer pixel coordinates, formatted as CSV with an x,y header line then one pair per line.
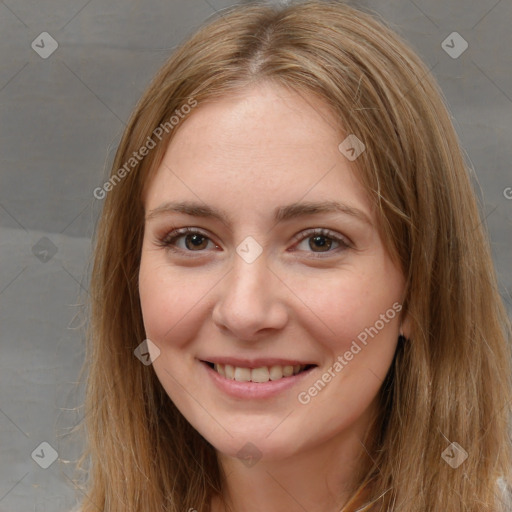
x,y
264,146
266,119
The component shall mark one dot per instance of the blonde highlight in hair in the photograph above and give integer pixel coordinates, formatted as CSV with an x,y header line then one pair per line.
x,y
451,381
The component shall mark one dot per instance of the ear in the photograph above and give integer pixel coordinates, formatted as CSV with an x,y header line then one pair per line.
x,y
405,326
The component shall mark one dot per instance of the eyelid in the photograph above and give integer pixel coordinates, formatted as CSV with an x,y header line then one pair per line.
x,y
176,232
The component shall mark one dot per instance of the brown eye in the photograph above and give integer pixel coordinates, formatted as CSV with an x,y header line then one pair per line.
x,y
195,241
320,241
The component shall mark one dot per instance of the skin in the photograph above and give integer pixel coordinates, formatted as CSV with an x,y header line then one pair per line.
x,y
248,154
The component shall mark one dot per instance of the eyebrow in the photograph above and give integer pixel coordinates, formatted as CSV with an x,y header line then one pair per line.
x,y
281,213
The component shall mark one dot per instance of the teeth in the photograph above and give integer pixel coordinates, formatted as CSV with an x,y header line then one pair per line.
x,y
229,371
242,374
262,374
276,372
287,371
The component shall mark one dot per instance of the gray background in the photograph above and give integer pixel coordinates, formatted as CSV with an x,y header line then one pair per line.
x,y
61,120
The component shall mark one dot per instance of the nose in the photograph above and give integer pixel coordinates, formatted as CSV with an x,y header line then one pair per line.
x,y
251,300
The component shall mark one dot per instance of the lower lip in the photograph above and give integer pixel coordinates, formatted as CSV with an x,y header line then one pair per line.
x,y
268,389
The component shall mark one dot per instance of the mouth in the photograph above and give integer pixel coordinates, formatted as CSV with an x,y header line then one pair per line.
x,y
260,374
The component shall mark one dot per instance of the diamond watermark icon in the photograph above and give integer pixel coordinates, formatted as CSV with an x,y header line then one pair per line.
x,y
454,455
45,455
44,250
454,45
249,454
351,147
147,352
249,249
44,45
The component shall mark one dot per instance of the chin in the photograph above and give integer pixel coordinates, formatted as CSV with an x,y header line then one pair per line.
x,y
251,445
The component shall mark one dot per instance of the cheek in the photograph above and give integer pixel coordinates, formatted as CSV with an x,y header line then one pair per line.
x,y
339,306
169,298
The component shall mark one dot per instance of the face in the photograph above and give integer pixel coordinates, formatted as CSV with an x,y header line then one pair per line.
x,y
263,280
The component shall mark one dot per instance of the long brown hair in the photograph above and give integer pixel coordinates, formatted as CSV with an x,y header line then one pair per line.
x,y
450,382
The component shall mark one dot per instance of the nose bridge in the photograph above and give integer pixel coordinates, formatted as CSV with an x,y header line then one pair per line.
x,y
249,300
244,287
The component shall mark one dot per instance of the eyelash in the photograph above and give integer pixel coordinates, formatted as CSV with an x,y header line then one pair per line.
x,y
170,238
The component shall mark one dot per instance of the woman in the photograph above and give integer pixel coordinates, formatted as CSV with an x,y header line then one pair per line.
x,y
293,302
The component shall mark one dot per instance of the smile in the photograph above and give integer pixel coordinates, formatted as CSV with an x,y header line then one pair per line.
x,y
255,379
261,374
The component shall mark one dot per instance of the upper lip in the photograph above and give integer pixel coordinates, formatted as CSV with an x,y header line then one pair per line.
x,y
256,362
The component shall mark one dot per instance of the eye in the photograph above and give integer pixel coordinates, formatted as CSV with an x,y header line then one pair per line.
x,y
193,240
323,240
